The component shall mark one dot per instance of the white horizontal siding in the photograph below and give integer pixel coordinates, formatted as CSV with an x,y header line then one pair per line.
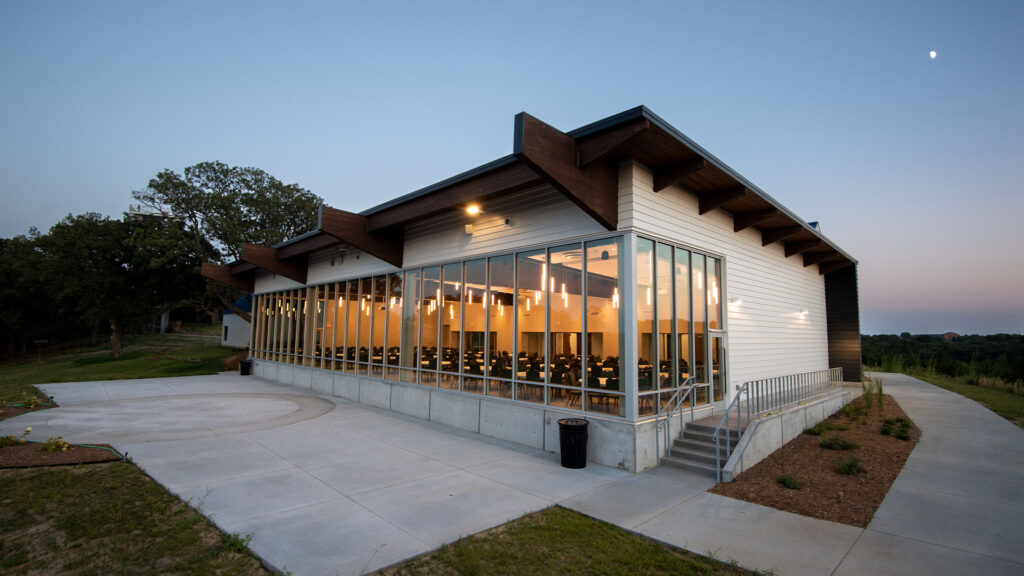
x,y
538,216
766,336
340,264
238,331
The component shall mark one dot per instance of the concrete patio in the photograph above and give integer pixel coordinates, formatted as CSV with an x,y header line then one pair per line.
x,y
326,486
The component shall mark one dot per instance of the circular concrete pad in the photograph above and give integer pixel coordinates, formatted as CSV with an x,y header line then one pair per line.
x,y
185,416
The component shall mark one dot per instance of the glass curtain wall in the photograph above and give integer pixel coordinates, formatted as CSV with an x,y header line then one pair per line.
x,y
544,326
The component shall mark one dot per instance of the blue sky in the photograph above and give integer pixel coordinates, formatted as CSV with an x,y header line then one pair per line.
x,y
912,165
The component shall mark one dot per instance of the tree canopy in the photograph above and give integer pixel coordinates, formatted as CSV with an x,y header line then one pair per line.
x,y
224,207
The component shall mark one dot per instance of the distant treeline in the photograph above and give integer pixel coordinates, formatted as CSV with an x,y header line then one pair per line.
x,y
996,356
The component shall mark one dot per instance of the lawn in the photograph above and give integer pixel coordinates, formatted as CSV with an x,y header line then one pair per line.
x,y
560,541
108,519
145,356
1005,403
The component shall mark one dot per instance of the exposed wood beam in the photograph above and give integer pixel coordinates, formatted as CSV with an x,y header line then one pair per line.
x,y
267,259
745,220
509,178
240,267
826,267
222,274
306,246
673,173
794,248
552,155
594,149
351,228
773,235
709,202
811,258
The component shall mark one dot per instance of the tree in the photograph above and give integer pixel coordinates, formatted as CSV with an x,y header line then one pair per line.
x,y
119,272
26,310
223,207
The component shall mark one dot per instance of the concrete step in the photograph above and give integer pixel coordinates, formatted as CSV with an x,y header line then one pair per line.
x,y
700,445
708,437
709,429
708,469
695,456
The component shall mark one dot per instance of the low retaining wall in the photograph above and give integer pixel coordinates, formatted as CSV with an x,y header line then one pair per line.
x,y
611,442
766,435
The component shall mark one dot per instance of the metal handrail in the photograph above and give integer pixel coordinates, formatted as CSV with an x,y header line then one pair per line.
x,y
770,394
678,407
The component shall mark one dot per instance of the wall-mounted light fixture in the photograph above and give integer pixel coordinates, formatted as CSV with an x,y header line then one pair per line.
x,y
473,209
735,302
803,314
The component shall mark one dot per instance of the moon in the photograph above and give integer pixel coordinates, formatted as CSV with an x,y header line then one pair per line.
x,y
933,54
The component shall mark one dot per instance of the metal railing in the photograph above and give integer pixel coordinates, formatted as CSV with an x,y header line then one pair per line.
x,y
665,413
766,395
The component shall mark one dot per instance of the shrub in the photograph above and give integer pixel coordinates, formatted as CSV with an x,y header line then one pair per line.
x,y
11,440
54,444
837,442
866,395
850,466
790,482
853,411
824,426
899,427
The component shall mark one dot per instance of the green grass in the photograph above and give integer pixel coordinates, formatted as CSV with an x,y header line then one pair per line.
x,y
108,518
1005,403
146,356
560,541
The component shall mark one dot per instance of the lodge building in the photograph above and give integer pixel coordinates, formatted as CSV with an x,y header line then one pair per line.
x,y
590,273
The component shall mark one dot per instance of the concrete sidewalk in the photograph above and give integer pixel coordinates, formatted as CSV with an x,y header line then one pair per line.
x,y
957,507
326,486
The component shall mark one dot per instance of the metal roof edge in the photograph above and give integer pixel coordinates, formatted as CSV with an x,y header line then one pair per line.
x,y
479,170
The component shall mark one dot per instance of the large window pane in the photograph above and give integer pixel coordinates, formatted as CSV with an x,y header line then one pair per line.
x,y
666,342
565,287
474,325
394,342
351,326
380,289
410,326
604,319
319,334
683,312
451,324
699,291
645,322
531,301
430,314
501,311
365,320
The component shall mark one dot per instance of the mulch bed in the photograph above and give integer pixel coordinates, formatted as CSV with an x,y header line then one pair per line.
x,y
12,411
825,493
30,455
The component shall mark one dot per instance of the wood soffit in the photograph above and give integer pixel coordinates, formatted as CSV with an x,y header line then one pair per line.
x,y
245,281
388,244
267,258
553,154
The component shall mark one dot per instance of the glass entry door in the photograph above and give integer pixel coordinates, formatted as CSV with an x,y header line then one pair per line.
x,y
717,369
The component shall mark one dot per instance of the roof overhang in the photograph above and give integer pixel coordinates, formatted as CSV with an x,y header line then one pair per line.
x,y
582,165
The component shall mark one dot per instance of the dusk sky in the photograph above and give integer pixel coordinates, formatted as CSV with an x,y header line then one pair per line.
x,y
912,164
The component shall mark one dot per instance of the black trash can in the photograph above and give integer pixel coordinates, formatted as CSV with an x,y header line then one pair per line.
x,y
245,367
572,434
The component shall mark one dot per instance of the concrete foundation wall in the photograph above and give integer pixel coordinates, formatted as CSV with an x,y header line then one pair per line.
x,y
610,442
766,435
